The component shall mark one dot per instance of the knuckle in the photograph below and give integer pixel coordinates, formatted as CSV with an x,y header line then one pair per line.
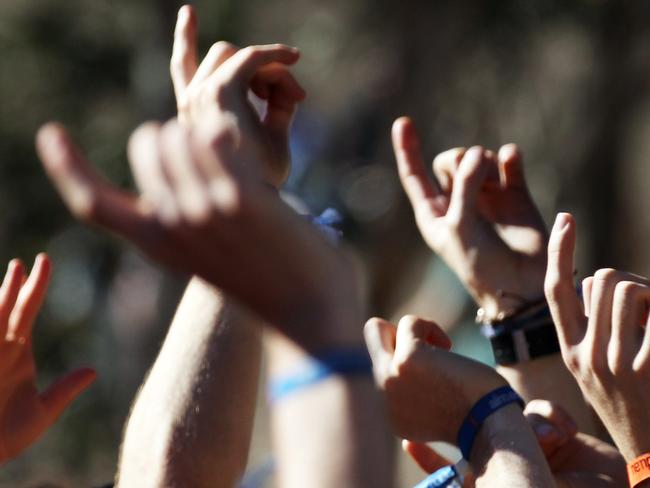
x,y
218,47
86,207
572,361
229,198
250,53
553,286
626,291
199,215
605,274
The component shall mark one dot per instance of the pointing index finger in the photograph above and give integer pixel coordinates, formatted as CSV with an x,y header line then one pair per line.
x,y
558,285
420,190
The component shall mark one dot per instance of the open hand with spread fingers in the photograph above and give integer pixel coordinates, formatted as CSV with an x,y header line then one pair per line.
x,y
478,215
221,82
605,342
25,413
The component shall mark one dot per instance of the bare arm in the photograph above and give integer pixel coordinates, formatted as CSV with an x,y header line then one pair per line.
x,y
192,420
345,412
430,392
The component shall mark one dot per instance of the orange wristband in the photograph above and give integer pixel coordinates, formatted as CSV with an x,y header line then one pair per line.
x,y
638,470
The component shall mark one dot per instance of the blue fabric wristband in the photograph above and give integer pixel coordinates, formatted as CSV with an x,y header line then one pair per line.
x,y
481,410
340,361
328,223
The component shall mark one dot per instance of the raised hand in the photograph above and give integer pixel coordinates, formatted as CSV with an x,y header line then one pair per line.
x,y
576,460
25,414
478,215
202,211
221,83
428,390
606,344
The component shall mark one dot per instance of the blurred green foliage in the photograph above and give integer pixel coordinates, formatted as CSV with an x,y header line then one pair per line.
x,y
568,81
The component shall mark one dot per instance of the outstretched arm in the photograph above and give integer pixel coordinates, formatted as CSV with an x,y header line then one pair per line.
x,y
478,215
192,420
200,394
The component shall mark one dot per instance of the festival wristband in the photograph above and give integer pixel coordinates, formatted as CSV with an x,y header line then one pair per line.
x,y
328,223
343,362
638,470
481,410
451,476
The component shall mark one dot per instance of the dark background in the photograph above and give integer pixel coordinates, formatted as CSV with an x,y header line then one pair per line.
x,y
567,81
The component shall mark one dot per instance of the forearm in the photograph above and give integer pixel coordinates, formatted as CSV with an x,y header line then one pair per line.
x,y
506,453
332,433
192,420
547,377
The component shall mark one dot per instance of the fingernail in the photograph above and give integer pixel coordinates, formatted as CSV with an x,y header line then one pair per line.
x,y
562,221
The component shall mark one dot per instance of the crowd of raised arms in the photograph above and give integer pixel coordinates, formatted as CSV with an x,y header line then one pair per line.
x,y
567,405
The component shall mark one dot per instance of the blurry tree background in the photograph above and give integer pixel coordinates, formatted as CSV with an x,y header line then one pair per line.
x,y
567,81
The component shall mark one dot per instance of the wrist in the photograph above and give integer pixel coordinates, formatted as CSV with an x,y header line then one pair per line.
x,y
500,304
638,471
506,446
497,432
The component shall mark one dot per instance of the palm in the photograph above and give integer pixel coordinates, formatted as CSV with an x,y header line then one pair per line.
x,y
24,412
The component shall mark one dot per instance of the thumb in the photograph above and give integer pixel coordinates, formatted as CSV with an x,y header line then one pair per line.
x,y
380,340
60,394
424,456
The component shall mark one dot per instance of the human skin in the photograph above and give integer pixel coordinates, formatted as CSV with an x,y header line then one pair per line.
x,y
205,209
478,215
199,397
26,413
429,391
576,460
606,345
211,334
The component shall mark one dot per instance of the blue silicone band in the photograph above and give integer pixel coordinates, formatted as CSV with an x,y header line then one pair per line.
x,y
481,410
340,361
